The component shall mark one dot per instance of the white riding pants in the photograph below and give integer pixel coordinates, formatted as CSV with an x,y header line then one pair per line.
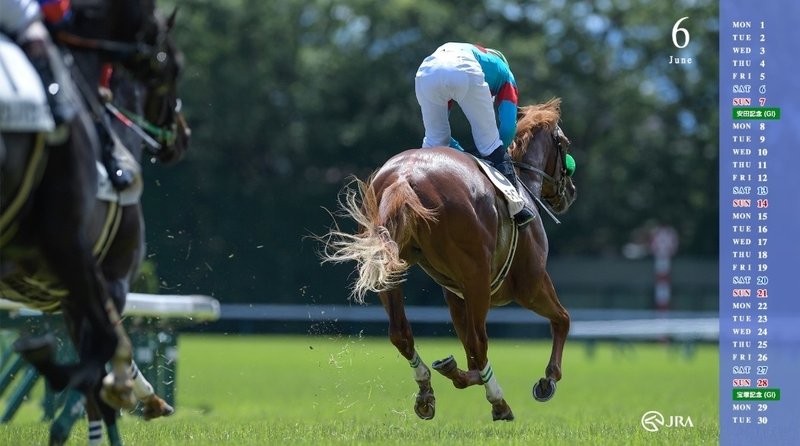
x,y
453,73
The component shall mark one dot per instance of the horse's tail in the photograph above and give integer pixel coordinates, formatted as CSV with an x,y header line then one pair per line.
x,y
385,227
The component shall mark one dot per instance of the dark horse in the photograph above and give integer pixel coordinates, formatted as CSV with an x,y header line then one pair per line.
x,y
436,208
144,114
62,247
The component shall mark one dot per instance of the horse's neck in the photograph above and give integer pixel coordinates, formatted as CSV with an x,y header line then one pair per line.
x,y
88,63
117,20
534,157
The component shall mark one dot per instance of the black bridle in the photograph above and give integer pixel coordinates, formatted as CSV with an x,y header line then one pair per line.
x,y
146,57
560,183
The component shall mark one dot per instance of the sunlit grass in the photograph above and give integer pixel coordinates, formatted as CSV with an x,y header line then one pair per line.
x,y
315,390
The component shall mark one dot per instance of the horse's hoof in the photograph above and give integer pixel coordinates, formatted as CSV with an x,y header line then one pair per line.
x,y
502,412
544,389
445,366
118,396
36,349
425,407
58,434
74,409
155,407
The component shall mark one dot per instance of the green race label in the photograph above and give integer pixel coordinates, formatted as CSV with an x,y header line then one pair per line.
x,y
756,113
757,394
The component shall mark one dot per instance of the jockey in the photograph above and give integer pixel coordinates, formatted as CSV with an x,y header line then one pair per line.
x,y
22,20
479,80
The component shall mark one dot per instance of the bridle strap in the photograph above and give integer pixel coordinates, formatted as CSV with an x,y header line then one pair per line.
x,y
528,167
111,46
546,177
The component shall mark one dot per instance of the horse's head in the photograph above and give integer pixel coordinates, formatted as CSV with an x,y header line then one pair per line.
x,y
540,152
160,69
132,34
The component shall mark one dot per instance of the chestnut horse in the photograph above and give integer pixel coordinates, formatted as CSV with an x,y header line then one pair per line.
x,y
436,208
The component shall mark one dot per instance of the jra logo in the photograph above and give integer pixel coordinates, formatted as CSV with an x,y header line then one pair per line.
x,y
653,421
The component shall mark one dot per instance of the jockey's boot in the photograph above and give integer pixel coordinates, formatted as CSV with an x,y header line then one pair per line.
x,y
501,161
53,79
120,177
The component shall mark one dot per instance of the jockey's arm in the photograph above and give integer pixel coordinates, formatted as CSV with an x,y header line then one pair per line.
x,y
506,101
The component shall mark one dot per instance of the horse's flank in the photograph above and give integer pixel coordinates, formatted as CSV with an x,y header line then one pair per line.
x,y
383,230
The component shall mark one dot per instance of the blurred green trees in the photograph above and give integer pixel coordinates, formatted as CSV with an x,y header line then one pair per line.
x,y
287,98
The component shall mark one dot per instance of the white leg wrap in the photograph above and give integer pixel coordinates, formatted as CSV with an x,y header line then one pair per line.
x,y
142,388
95,433
493,391
421,371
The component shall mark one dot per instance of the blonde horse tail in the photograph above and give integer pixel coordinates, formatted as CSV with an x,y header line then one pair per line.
x,y
385,228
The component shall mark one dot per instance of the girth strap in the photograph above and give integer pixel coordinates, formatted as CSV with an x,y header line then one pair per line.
x,y
497,282
30,179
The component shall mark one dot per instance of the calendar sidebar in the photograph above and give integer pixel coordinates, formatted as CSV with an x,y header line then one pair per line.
x,y
759,222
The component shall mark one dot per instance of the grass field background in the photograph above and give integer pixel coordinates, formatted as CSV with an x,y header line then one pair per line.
x,y
273,390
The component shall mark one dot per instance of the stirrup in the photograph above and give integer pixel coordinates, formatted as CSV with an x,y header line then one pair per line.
x,y
120,178
524,217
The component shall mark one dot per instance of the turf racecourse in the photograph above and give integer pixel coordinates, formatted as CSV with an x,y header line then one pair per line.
x,y
270,390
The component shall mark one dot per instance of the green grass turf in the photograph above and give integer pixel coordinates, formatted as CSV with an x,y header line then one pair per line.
x,y
276,390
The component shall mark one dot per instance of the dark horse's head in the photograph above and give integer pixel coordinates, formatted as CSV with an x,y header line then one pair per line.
x,y
150,56
162,106
540,152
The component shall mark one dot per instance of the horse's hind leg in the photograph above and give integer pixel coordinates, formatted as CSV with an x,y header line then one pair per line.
x,y
63,205
494,394
401,336
545,303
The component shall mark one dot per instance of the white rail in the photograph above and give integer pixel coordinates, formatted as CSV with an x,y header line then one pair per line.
x,y
194,307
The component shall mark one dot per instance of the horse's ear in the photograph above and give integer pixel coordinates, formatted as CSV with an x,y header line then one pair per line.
x,y
171,19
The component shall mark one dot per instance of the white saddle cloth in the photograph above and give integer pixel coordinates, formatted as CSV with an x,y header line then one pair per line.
x,y
513,198
23,105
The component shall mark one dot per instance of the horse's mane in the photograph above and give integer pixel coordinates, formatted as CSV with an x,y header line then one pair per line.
x,y
531,119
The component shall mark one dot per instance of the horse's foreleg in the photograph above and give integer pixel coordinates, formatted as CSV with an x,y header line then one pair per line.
x,y
117,388
109,417
154,406
403,339
95,422
559,326
546,304
74,405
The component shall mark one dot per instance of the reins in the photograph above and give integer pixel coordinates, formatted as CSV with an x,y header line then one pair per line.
x,y
143,128
538,200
